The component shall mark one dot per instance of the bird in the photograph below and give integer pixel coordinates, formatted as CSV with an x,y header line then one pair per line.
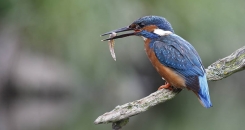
x,y
174,58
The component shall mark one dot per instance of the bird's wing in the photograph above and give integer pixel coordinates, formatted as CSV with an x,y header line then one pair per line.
x,y
179,55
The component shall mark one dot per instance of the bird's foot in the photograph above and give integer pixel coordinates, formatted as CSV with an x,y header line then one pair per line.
x,y
166,86
169,87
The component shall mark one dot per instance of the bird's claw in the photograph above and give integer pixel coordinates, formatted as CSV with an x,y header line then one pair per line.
x,y
166,86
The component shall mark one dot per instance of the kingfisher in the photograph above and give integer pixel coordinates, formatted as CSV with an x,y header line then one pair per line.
x,y
174,58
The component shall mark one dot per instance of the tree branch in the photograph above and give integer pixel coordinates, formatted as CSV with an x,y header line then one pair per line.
x,y
220,69
227,66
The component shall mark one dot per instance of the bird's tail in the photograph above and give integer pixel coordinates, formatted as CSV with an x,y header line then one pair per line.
x,y
203,93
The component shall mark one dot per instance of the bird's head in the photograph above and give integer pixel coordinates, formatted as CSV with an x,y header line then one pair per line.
x,y
148,27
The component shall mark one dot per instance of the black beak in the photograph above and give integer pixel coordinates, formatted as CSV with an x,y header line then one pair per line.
x,y
117,31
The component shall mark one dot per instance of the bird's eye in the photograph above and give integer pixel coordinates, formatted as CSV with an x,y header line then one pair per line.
x,y
140,25
137,26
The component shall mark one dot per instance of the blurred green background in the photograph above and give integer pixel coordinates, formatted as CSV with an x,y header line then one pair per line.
x,y
56,74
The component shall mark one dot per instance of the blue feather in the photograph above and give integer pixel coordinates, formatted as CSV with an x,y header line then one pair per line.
x,y
204,92
161,22
176,53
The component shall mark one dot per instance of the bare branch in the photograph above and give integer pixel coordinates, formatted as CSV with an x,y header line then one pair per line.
x,y
227,66
216,71
136,107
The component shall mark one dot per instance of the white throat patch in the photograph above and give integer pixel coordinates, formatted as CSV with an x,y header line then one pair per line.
x,y
161,32
144,38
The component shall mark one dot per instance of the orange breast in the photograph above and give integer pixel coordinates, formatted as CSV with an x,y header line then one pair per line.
x,y
167,73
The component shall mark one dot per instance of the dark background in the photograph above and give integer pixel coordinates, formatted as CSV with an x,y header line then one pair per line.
x,y
56,74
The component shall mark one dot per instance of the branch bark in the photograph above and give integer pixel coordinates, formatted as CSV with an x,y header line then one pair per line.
x,y
220,69
227,66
